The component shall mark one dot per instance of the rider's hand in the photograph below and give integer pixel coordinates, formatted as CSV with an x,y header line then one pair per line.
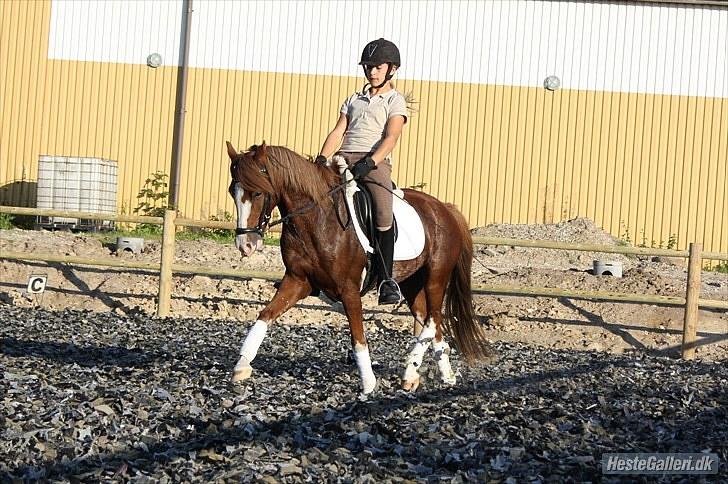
x,y
320,160
362,168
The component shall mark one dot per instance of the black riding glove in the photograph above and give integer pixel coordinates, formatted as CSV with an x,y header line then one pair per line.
x,y
362,168
320,160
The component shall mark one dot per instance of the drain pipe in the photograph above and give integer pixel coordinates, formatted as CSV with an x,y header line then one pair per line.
x,y
179,121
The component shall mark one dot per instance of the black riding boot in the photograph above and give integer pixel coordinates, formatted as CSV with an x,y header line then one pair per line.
x,y
388,288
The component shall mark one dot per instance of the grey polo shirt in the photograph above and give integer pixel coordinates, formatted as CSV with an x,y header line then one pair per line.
x,y
367,118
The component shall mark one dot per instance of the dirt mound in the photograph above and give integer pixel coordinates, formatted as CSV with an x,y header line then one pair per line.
x,y
578,230
575,231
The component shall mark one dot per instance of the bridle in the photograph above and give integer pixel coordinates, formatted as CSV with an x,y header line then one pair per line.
x,y
263,220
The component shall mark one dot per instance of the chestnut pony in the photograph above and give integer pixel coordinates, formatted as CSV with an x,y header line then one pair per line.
x,y
320,252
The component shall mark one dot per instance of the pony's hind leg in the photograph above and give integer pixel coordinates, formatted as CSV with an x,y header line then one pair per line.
x,y
441,351
416,299
424,330
435,297
415,295
431,334
411,378
289,293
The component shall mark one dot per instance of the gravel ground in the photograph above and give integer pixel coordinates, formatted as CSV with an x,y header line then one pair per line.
x,y
93,397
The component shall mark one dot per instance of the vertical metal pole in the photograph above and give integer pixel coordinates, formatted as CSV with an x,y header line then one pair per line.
x,y
165,272
690,322
180,109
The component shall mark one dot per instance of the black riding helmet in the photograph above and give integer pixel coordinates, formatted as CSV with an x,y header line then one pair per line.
x,y
380,51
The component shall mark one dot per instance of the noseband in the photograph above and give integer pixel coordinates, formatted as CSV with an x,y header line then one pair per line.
x,y
262,220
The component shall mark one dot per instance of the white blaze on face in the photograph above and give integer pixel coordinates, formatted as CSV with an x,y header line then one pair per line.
x,y
250,242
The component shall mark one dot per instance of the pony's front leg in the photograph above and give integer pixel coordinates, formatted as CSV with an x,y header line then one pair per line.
x,y
352,306
291,291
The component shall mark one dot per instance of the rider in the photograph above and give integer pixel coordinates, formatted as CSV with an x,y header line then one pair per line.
x,y
369,125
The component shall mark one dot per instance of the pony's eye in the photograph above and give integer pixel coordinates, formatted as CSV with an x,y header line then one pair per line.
x,y
256,194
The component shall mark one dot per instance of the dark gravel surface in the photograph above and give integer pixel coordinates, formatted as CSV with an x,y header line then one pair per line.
x,y
98,397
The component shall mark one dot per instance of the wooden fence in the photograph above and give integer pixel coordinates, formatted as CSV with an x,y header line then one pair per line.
x,y
691,302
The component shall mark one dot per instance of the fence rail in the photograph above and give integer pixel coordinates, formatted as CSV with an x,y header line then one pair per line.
x,y
167,267
595,296
548,244
88,215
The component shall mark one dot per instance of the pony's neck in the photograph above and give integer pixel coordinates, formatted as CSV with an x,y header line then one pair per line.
x,y
298,180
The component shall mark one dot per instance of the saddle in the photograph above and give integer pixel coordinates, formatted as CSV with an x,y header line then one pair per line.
x,y
364,208
364,212
409,234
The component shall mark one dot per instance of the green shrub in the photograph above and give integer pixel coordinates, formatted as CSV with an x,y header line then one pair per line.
x,y
6,221
720,267
153,202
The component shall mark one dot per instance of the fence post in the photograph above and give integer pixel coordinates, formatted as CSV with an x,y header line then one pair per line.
x,y
695,266
165,272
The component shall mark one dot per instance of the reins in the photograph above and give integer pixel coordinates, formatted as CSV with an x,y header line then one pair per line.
x,y
309,206
332,191
265,217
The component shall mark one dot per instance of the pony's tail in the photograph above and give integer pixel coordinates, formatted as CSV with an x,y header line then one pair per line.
x,y
460,320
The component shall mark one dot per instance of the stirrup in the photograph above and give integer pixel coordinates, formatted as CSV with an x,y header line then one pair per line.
x,y
394,297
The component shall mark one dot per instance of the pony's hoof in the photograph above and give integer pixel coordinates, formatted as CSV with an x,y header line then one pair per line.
x,y
242,373
369,387
451,380
411,385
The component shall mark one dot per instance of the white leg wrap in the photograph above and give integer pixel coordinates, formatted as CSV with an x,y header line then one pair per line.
x,y
368,380
253,340
442,356
414,359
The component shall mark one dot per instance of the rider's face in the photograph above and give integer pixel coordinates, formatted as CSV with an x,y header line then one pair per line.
x,y
376,74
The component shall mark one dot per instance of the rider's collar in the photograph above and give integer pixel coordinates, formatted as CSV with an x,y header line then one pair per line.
x,y
384,95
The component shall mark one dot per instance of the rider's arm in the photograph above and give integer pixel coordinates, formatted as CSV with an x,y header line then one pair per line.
x,y
392,130
335,137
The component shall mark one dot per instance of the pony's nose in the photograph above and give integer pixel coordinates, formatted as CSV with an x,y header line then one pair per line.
x,y
248,244
244,245
247,249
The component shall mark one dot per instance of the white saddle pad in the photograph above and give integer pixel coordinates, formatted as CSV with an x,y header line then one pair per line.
x,y
410,232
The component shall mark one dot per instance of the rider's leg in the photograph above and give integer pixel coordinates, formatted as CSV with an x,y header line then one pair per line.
x,y
388,290
381,187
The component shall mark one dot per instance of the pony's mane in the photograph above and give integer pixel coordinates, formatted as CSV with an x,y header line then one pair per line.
x,y
300,174
285,170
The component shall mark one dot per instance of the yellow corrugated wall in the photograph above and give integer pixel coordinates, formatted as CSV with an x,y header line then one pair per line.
x,y
648,164
121,112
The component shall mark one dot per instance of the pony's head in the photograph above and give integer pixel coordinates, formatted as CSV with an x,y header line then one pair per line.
x,y
253,194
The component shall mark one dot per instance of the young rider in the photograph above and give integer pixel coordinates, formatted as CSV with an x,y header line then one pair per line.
x,y
369,125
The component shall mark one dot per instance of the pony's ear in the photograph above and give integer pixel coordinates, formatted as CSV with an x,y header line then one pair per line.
x,y
232,153
262,150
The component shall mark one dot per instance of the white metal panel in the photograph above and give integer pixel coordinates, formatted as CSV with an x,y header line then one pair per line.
x,y
119,31
662,49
